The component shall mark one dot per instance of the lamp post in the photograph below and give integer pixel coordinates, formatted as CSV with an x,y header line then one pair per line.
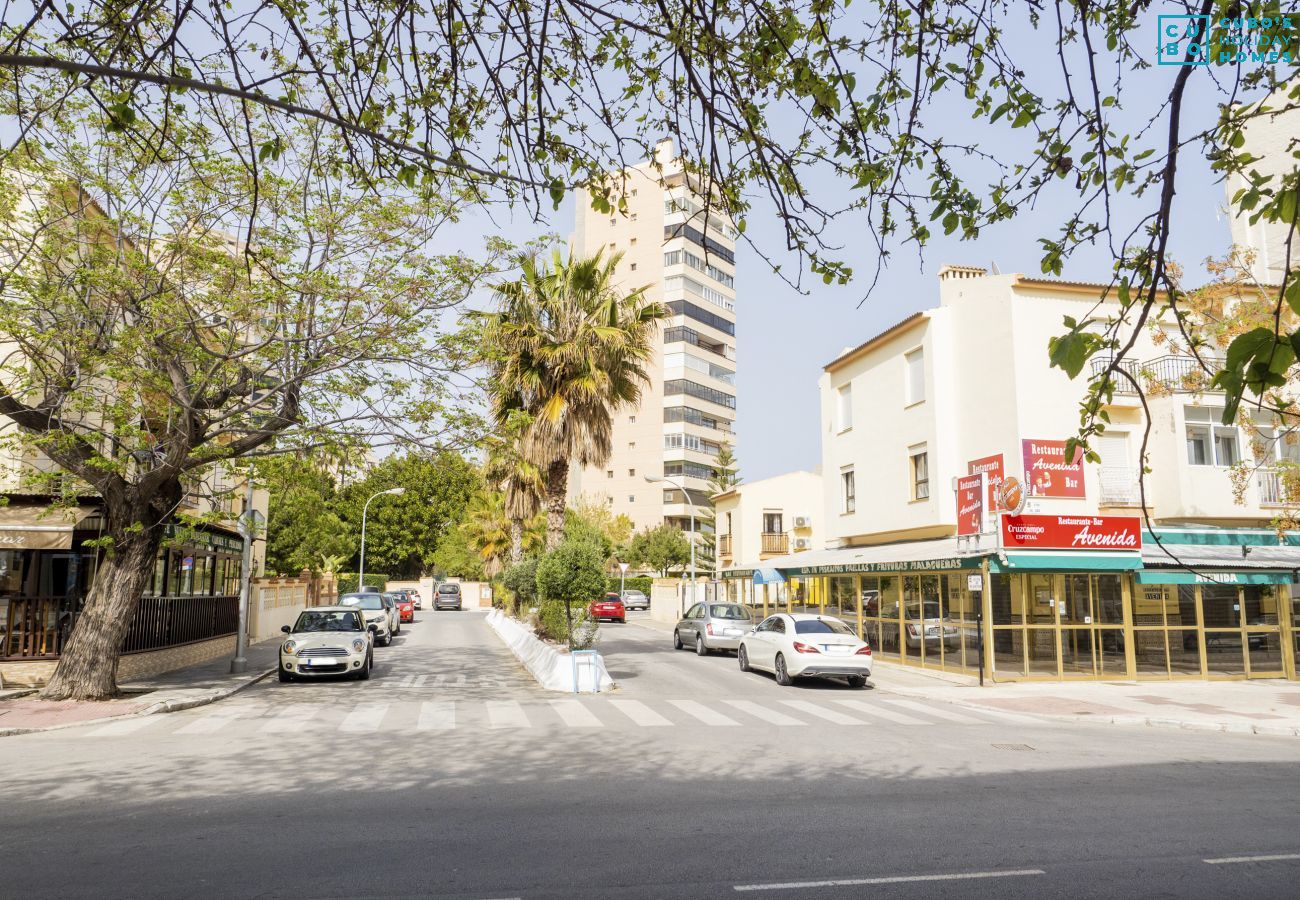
x,y
361,575
622,579
248,529
656,479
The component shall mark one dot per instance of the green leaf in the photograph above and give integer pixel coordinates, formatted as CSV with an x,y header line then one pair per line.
x,y
1246,346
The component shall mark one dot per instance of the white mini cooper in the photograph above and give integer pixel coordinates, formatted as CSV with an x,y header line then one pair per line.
x,y
328,640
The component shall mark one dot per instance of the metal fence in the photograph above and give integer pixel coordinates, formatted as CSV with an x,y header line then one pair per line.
x,y
39,627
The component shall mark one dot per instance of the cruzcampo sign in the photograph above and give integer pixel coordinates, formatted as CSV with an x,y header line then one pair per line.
x,y
1072,532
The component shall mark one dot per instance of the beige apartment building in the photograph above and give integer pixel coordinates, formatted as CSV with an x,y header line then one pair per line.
x,y
1076,584
1272,138
772,517
688,410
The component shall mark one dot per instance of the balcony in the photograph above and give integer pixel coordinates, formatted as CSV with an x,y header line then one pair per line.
x,y
1272,489
1119,486
724,545
1162,375
775,542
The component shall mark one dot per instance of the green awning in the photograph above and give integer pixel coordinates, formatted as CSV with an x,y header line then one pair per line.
x,y
1182,576
1065,561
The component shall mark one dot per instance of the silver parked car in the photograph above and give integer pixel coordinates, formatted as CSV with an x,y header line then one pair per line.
x,y
712,626
447,596
634,599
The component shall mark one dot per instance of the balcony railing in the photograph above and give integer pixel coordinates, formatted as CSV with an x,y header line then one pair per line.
x,y
1119,486
724,544
1272,492
775,543
1164,373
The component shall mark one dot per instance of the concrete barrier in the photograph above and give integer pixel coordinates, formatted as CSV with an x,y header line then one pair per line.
x,y
552,667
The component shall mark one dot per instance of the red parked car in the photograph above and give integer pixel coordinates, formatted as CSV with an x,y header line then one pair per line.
x,y
405,606
609,608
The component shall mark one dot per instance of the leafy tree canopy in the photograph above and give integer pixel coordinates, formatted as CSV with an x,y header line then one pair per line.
x,y
662,548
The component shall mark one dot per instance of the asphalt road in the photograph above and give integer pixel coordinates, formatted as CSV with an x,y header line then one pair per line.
x,y
451,775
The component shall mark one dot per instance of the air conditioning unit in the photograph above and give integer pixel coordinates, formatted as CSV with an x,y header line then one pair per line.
x,y
803,521
803,543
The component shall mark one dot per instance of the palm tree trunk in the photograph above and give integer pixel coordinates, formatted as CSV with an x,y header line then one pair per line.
x,y
557,487
516,542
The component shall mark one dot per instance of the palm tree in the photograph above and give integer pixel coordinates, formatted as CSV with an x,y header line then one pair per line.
x,y
568,348
518,479
487,530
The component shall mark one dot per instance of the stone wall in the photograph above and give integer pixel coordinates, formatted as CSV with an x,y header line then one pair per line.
x,y
35,672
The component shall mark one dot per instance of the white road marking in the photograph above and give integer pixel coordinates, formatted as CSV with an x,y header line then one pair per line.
x,y
876,710
214,722
420,680
639,713
829,715
938,710
123,726
436,716
575,715
705,714
365,717
506,714
1272,857
893,879
771,716
290,719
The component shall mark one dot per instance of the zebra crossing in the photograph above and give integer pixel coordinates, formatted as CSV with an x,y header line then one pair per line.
x,y
443,715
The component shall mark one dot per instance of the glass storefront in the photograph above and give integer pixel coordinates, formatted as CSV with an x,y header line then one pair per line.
x,y
1065,625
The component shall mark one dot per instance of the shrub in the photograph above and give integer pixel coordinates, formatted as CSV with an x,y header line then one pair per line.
x,y
568,579
347,581
521,582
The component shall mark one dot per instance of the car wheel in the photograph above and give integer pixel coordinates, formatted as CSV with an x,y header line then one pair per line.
x,y
782,675
388,639
677,640
284,676
857,681
623,621
743,658
362,674
700,649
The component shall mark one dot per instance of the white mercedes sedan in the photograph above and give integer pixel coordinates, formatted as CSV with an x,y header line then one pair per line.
x,y
796,645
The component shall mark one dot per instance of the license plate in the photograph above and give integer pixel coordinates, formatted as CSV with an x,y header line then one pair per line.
x,y
319,662
837,649
932,632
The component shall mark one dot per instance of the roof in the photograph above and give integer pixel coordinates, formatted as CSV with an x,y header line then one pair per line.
x,y
866,346
940,549
1220,556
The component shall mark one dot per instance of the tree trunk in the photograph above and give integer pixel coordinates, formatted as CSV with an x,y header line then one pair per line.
x,y
557,487
87,667
516,542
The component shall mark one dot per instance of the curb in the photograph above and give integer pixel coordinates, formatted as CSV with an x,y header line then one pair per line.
x,y
162,706
1137,719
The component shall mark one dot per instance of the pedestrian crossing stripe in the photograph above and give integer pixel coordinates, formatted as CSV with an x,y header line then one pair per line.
x,y
442,715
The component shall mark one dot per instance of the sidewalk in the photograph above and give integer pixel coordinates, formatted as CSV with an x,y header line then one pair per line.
x,y
181,689
1238,707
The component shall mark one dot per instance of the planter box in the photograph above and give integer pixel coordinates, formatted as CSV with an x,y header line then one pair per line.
x,y
551,666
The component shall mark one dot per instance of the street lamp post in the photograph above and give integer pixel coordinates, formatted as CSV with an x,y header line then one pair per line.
x,y
622,579
656,479
248,529
361,575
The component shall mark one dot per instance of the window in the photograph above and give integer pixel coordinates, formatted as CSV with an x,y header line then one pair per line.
x,y
632,419
631,445
631,473
613,246
844,408
613,221
699,314
633,217
849,491
772,523
915,363
1210,444
609,473
633,267
632,242
920,473
676,386
633,192
631,498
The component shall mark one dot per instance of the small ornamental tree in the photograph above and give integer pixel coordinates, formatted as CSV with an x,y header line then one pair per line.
x,y
572,573
662,548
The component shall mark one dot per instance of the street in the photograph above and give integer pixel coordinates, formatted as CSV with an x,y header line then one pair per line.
x,y
451,774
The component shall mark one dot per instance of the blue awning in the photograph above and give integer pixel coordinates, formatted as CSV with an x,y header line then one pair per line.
x,y
768,576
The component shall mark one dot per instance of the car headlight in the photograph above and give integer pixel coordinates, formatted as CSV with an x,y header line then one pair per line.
x,y
358,645
378,618
289,647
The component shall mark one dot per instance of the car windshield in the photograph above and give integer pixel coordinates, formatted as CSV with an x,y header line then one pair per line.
x,y
728,611
636,594
821,626
448,589
317,620
362,601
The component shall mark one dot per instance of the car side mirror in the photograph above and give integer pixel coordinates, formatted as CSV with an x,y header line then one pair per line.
x,y
374,629
286,629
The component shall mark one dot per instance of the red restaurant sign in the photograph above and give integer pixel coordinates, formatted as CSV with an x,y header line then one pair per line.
x,y
1072,532
992,466
1047,474
970,504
